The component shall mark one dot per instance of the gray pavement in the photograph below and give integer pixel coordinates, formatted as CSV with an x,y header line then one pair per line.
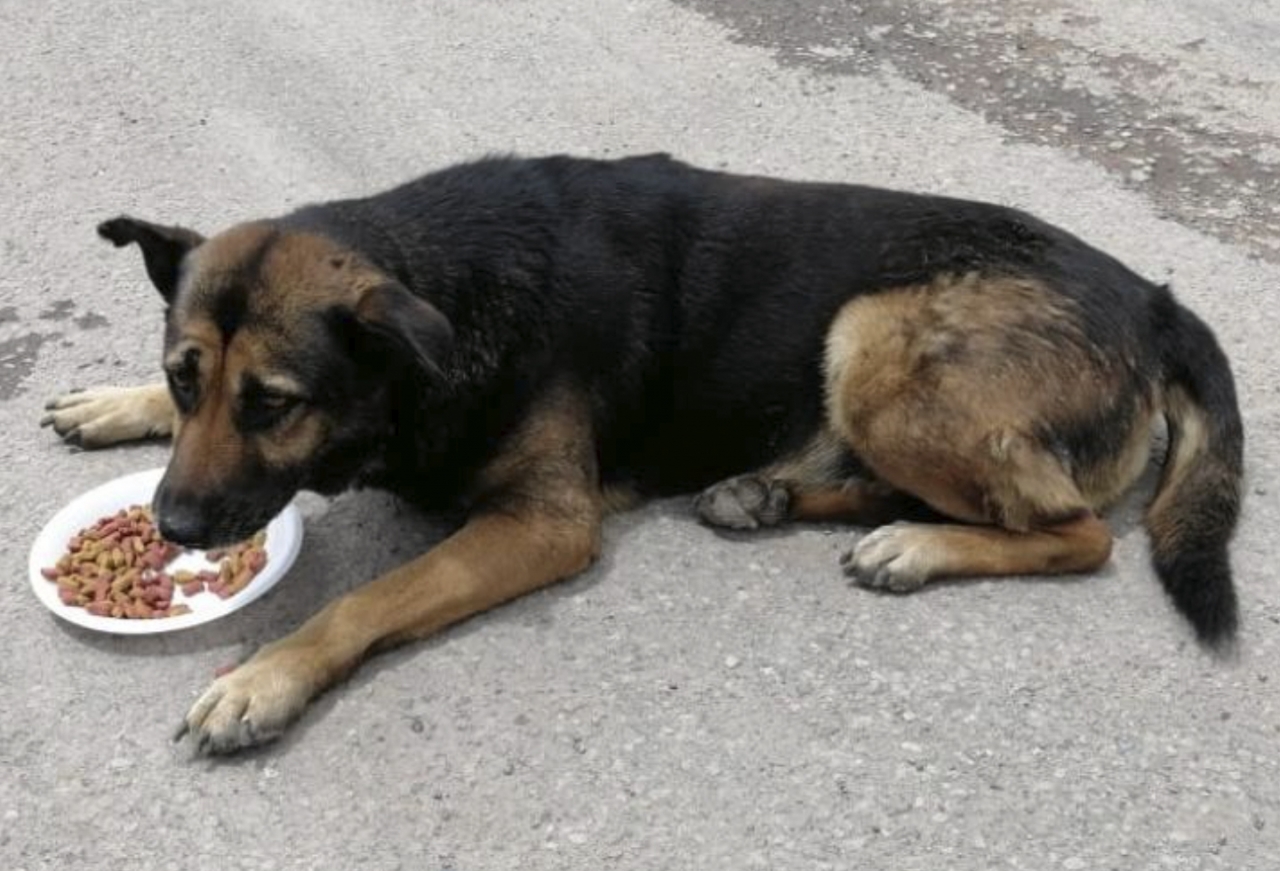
x,y
694,701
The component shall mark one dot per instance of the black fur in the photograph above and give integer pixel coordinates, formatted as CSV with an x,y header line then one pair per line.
x,y
691,304
162,248
1189,537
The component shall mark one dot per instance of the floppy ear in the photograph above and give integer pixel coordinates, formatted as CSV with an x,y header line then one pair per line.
x,y
415,326
162,248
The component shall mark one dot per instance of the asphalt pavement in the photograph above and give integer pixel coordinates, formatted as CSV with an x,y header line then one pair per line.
x,y
694,701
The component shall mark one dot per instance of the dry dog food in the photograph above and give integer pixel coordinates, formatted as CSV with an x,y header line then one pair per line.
x,y
118,567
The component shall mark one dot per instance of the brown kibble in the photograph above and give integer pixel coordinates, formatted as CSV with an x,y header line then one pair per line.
x,y
240,581
116,568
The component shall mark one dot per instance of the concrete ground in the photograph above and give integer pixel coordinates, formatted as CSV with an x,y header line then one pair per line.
x,y
693,701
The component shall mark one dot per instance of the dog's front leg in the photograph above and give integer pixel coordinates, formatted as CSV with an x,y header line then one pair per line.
x,y
103,416
494,558
538,522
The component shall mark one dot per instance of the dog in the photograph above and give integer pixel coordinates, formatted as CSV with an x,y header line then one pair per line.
x,y
538,342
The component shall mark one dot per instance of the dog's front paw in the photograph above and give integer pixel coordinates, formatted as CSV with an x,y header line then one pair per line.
x,y
898,557
744,502
105,416
252,704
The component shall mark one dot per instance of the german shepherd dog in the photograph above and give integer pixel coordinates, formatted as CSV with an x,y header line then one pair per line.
x,y
533,340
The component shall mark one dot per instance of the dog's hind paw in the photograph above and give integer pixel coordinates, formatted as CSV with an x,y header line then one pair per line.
x,y
104,416
896,557
744,502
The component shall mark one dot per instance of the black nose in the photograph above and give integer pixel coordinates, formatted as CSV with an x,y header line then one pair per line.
x,y
180,520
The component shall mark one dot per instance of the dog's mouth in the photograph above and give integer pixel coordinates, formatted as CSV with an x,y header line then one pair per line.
x,y
222,532
223,536
209,521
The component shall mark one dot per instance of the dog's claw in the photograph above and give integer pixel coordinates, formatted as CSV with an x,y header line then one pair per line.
x,y
58,401
896,558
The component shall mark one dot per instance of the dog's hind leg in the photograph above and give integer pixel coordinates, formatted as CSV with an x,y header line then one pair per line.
x,y
1023,512
105,416
763,499
982,398
904,556
820,483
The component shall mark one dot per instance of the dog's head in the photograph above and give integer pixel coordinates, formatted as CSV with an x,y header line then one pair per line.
x,y
280,350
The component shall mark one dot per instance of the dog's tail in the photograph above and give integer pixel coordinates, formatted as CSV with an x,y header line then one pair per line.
x,y
1194,512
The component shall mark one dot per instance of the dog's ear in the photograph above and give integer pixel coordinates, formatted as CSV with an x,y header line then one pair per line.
x,y
162,248
389,311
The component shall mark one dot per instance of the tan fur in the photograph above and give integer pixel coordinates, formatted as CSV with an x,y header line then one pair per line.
x,y
905,556
217,263
943,391
1192,441
618,498
817,465
1104,484
105,416
923,384
305,272
207,449
1169,521
548,466
866,503
310,271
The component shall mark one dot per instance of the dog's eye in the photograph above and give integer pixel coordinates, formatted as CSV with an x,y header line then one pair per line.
x,y
263,409
183,385
277,401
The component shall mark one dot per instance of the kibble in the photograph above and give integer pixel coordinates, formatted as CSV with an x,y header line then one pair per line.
x,y
117,568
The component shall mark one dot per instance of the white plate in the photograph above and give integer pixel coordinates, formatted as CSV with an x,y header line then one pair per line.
x,y
284,538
